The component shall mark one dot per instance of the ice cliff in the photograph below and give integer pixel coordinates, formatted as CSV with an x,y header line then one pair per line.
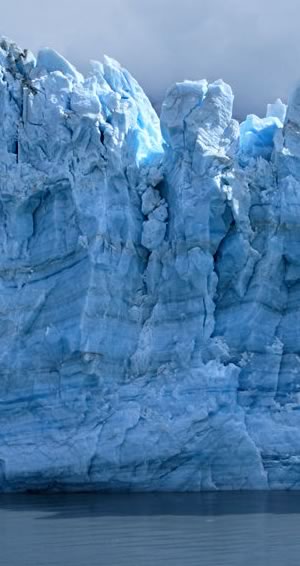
x,y
150,284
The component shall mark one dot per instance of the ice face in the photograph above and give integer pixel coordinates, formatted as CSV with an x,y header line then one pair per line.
x,y
150,289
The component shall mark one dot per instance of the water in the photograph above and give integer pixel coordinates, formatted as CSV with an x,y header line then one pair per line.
x,y
211,529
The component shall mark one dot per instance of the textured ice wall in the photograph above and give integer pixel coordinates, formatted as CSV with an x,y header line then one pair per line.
x,y
150,284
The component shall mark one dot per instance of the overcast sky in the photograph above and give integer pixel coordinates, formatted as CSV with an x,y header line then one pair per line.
x,y
252,44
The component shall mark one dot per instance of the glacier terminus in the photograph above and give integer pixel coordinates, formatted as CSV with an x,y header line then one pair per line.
x,y
149,284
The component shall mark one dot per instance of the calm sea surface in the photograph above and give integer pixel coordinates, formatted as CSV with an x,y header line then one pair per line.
x,y
212,529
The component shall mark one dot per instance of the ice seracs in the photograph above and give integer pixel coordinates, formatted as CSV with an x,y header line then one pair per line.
x,y
150,283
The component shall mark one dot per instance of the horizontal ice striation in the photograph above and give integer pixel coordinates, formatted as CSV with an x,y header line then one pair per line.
x,y
150,284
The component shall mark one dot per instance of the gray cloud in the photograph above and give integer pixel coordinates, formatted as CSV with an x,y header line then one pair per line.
x,y
252,45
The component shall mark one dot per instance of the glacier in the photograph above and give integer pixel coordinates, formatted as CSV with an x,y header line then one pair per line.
x,y
150,284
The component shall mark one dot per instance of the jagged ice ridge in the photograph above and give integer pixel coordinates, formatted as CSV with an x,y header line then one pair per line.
x,y
150,284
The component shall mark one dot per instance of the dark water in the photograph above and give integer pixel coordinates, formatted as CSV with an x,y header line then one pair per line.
x,y
212,529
